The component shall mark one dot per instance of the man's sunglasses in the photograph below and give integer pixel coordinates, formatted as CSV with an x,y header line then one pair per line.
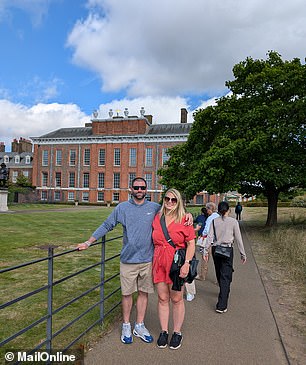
x,y
136,187
172,200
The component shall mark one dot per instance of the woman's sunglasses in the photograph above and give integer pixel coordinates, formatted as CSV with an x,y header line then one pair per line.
x,y
172,200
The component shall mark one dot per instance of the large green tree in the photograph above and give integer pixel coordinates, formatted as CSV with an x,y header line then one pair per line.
x,y
253,139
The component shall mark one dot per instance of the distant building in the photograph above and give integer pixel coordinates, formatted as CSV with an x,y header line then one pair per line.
x,y
96,163
19,160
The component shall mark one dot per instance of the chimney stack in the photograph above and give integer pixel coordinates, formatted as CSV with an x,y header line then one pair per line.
x,y
23,145
184,115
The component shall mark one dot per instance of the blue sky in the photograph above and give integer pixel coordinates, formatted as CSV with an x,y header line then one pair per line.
x,y
61,59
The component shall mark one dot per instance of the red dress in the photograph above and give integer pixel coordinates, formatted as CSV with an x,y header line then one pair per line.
x,y
163,251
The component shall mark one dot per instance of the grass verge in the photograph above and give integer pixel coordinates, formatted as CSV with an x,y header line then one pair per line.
x,y
22,236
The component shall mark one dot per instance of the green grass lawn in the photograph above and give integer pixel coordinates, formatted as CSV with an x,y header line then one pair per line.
x,y
22,236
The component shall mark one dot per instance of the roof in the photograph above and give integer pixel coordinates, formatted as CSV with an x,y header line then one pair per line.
x,y
155,129
69,132
170,128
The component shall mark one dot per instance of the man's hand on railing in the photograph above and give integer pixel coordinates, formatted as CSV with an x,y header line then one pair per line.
x,y
84,245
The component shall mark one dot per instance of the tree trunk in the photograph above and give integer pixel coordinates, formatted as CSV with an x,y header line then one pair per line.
x,y
272,195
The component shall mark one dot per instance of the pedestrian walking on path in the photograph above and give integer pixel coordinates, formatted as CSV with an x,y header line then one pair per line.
x,y
223,231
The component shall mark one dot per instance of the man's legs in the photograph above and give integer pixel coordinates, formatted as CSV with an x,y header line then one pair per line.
x,y
141,306
127,303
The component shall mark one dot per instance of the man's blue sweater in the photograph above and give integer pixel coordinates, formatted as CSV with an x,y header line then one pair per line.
x,y
136,220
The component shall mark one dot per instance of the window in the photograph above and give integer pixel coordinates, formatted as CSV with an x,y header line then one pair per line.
x,y
6,159
86,157
101,157
58,157
86,180
28,160
72,157
15,175
45,158
101,180
133,156
17,159
199,199
57,195
115,197
117,157
58,179
100,196
165,156
71,180
85,196
44,195
116,183
44,179
149,157
148,177
132,176
25,173
70,196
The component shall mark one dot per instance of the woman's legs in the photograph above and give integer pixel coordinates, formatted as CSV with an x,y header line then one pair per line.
x,y
178,309
163,291
224,273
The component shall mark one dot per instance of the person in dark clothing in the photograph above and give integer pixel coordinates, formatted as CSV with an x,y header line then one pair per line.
x,y
238,210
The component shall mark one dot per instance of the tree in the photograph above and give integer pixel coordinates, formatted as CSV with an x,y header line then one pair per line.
x,y
253,139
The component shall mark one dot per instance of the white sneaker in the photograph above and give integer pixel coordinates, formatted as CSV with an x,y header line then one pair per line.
x,y
141,331
189,297
126,335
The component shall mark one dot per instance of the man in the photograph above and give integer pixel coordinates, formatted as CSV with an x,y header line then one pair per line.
x,y
238,210
136,216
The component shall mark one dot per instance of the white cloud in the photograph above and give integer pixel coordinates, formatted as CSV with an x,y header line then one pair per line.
x,y
37,9
176,46
21,121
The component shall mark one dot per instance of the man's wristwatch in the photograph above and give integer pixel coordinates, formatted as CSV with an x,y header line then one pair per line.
x,y
187,262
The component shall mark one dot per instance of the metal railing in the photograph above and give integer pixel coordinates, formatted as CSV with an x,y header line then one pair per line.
x,y
46,344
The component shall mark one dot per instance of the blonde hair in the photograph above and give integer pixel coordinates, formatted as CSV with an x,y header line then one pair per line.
x,y
178,211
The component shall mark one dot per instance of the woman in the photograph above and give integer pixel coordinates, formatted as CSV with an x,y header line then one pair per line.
x,y
224,231
173,211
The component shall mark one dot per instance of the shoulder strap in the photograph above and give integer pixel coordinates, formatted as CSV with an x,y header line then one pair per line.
x,y
213,223
166,233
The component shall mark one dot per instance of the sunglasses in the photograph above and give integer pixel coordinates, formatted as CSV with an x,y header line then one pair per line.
x,y
136,187
172,200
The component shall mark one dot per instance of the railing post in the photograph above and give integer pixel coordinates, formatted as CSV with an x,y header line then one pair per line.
x,y
50,298
102,278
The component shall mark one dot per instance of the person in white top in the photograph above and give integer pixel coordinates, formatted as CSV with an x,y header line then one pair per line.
x,y
223,232
211,210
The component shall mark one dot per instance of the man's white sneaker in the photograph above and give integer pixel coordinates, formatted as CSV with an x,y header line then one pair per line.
x,y
126,335
141,332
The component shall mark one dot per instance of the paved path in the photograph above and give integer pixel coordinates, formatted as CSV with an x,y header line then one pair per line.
x,y
246,334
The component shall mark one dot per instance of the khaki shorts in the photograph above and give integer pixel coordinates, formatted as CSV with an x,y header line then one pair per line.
x,y
135,277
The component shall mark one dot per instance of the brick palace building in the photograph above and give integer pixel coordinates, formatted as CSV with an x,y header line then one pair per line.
x,y
97,162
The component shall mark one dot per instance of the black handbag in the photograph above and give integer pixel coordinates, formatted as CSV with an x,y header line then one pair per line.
x,y
179,257
221,251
